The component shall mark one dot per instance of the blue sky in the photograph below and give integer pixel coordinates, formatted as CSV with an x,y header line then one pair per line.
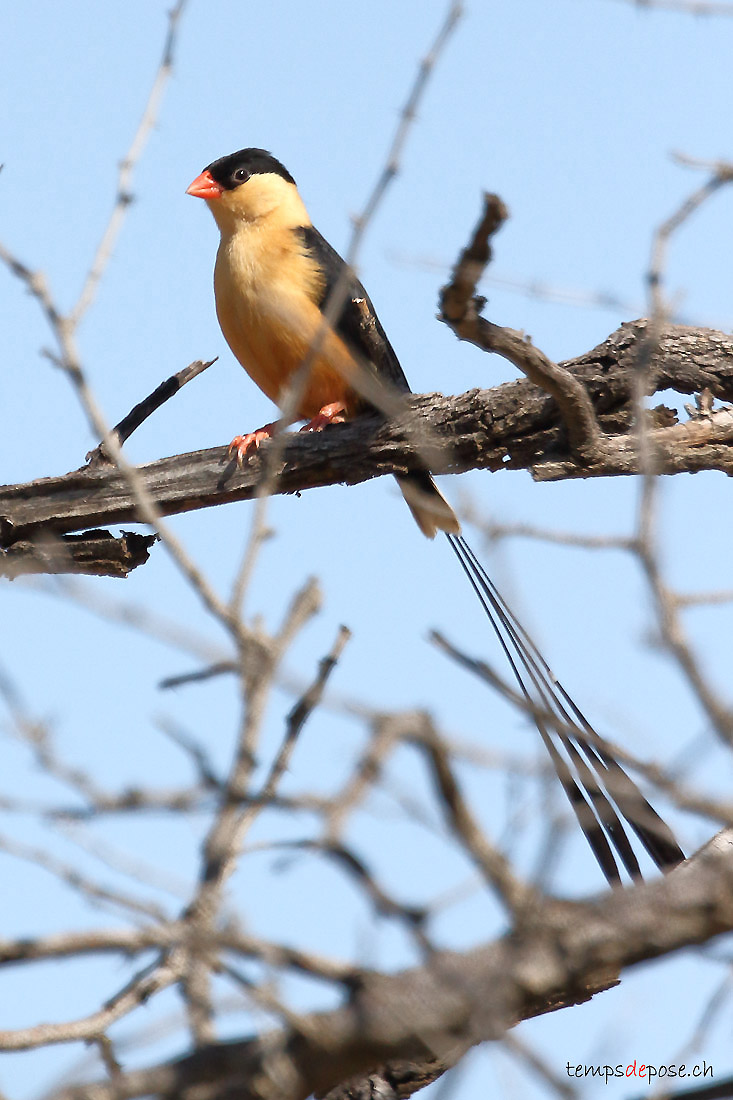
x,y
569,111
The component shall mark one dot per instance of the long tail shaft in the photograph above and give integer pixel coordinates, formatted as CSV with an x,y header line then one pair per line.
x,y
599,790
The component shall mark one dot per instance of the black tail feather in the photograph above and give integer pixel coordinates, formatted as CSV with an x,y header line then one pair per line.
x,y
598,788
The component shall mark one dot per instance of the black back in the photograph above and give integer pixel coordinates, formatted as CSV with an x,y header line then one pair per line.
x,y
357,324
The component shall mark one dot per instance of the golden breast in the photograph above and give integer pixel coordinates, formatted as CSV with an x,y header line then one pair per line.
x,y
266,302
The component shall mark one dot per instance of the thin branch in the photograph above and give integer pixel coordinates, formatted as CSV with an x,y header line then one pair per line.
x,y
532,1060
563,954
300,713
406,120
85,886
135,993
493,531
722,174
64,329
127,167
674,638
356,867
145,408
539,291
223,842
132,942
107,1056
461,308
494,866
685,7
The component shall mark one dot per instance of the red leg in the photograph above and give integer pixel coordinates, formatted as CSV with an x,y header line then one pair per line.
x,y
335,413
242,444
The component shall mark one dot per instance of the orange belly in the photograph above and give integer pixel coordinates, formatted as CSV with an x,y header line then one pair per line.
x,y
273,331
274,357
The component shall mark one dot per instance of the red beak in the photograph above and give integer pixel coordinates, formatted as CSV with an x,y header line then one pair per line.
x,y
205,187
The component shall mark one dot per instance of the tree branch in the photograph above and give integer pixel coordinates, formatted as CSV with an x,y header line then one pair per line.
x,y
513,426
93,554
461,310
558,954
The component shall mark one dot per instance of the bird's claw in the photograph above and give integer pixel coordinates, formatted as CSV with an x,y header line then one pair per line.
x,y
335,413
242,445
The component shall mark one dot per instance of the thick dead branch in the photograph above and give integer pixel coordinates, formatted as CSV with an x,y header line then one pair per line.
x,y
513,426
93,554
558,954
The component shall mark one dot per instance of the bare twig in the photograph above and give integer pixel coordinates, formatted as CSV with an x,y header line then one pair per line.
x,y
671,627
64,329
527,1056
68,873
460,309
722,174
493,531
136,992
685,7
357,868
705,424
406,120
537,290
168,935
460,999
222,844
296,719
107,1056
515,894
127,168
459,295
145,408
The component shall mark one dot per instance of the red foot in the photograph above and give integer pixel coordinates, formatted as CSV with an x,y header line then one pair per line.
x,y
241,445
335,413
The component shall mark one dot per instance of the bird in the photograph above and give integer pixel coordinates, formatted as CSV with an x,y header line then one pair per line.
x,y
301,324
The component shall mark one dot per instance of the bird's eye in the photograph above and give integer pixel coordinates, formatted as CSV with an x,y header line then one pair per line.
x,y
241,175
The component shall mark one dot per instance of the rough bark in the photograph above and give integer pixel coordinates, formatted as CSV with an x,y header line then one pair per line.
x,y
512,426
413,1025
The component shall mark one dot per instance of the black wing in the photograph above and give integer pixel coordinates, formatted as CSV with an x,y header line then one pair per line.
x,y
357,323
